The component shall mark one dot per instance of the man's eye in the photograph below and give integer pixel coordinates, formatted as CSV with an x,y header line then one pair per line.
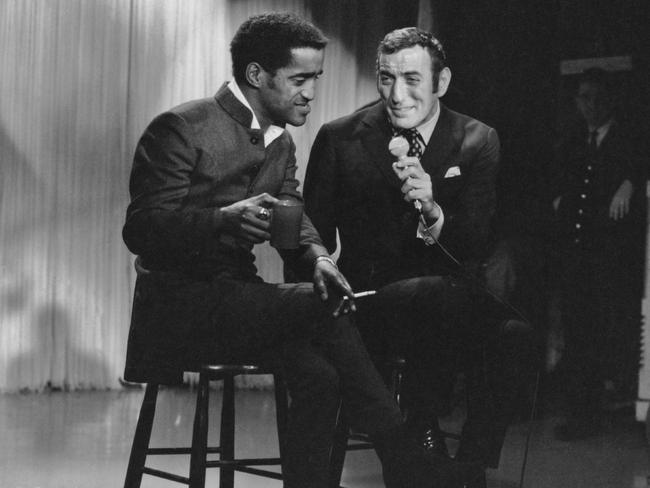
x,y
385,80
299,81
412,81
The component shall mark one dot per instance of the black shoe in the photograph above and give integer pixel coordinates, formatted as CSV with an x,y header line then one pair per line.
x,y
577,429
407,465
434,443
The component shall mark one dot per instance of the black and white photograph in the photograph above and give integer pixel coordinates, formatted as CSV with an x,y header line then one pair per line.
x,y
324,244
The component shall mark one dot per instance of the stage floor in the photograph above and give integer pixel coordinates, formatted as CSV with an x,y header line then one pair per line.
x,y
82,440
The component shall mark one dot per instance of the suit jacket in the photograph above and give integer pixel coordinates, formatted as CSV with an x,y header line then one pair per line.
x,y
586,235
587,183
190,162
350,187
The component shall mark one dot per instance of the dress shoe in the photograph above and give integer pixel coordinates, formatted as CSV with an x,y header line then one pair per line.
x,y
577,429
434,443
406,464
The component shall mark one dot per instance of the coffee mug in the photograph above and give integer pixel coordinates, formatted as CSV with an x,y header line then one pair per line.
x,y
285,224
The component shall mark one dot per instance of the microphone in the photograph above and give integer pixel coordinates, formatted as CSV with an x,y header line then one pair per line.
x,y
399,147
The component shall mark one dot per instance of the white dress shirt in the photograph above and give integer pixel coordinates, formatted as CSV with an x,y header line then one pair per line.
x,y
272,132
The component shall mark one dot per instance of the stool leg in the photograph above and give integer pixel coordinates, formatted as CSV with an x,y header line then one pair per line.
x,y
140,445
227,442
199,453
339,447
281,411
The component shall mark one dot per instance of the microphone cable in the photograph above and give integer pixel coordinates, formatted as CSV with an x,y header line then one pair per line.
x,y
473,278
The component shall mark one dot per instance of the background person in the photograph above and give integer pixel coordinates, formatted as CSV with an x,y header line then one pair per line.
x,y
599,203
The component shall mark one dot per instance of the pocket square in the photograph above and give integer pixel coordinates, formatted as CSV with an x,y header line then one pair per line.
x,y
453,171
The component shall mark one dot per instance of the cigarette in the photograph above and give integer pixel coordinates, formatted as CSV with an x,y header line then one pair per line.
x,y
362,294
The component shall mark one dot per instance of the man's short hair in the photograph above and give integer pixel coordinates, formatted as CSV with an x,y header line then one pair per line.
x,y
407,37
268,39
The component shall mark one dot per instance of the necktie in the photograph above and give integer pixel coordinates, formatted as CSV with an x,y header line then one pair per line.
x,y
416,143
593,141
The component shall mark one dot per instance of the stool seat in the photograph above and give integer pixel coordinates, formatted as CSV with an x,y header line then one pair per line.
x,y
199,449
214,370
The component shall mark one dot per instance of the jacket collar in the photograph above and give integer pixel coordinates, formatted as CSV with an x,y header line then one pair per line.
x,y
234,107
375,133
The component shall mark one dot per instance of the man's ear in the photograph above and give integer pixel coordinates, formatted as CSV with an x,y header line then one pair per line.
x,y
444,78
254,74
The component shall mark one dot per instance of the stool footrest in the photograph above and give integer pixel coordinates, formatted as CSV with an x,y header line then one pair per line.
x,y
161,451
237,463
164,474
259,472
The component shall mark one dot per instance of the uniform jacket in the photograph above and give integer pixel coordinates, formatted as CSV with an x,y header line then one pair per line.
x,y
350,187
190,162
587,183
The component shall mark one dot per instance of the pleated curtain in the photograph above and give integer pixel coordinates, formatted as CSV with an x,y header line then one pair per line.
x,y
79,81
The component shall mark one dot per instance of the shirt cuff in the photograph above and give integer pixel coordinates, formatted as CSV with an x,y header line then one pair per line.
x,y
430,234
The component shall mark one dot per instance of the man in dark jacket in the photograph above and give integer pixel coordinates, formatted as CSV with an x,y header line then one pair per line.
x,y
599,199
204,177
404,222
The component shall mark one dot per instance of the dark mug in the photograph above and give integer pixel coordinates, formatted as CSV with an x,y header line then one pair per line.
x,y
285,224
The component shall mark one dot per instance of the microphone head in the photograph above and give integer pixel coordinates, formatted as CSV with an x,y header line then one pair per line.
x,y
398,146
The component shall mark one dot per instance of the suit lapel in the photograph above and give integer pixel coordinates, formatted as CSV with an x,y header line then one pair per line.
x,y
444,140
375,134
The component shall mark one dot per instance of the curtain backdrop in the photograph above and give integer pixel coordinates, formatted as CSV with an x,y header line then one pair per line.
x,y
80,79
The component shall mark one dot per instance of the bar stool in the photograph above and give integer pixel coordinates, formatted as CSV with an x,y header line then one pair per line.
x,y
199,449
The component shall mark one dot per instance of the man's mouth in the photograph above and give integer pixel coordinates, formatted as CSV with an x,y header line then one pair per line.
x,y
400,111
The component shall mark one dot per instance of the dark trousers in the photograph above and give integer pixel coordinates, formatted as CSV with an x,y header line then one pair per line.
x,y
601,325
323,359
442,325
419,319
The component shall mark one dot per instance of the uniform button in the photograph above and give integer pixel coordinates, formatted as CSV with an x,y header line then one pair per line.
x,y
586,180
578,226
576,240
580,211
589,167
583,196
255,140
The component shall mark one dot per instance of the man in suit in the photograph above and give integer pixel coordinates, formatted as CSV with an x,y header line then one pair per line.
x,y
599,200
404,224
204,177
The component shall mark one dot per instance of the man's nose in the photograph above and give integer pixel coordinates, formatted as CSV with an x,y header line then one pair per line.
x,y
398,91
309,90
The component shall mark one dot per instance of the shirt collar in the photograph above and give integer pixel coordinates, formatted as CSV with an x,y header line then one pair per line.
x,y
273,131
429,126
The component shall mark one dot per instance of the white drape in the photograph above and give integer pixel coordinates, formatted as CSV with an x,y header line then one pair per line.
x,y
79,82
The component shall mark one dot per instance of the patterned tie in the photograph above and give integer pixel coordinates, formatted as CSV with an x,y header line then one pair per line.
x,y
416,143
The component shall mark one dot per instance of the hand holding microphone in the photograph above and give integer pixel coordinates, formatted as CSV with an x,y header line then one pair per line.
x,y
416,182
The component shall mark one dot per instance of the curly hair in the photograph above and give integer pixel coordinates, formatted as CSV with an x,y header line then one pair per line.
x,y
412,36
268,39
